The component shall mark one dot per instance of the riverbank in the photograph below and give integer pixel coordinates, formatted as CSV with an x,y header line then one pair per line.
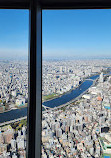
x,y
55,103
13,115
55,95
69,96
65,93
50,96
63,106
15,108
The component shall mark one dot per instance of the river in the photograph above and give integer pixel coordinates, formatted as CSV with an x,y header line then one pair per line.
x,y
71,95
17,113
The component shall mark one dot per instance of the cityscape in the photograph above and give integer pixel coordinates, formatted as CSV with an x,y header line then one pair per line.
x,y
78,128
76,83
81,128
13,97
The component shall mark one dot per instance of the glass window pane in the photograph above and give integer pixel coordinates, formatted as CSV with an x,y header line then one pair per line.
x,y
76,83
13,82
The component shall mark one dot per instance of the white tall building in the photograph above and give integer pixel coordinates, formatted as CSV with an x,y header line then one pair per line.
x,y
101,78
14,156
13,143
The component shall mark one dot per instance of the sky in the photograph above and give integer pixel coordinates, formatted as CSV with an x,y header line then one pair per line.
x,y
14,34
77,33
65,33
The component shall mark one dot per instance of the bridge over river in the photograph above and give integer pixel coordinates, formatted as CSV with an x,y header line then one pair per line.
x,y
89,79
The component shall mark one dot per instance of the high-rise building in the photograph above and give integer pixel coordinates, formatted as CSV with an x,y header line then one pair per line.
x,y
101,78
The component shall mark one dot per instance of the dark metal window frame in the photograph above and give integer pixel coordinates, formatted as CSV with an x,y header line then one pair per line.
x,y
35,57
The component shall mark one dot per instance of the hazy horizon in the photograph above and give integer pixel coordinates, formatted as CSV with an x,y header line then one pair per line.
x,y
58,58
65,34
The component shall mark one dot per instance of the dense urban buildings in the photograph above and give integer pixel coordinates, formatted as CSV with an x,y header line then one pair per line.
x,y
13,84
81,128
62,76
13,96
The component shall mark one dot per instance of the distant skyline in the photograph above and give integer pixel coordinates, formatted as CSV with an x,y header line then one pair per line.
x,y
66,33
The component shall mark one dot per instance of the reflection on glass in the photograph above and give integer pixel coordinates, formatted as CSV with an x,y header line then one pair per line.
x,y
76,92
13,83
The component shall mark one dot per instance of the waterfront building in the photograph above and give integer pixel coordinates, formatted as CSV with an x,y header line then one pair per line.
x,y
20,102
101,78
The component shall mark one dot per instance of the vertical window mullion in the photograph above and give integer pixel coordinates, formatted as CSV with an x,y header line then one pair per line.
x,y
35,82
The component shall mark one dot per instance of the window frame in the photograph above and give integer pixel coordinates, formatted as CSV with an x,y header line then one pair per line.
x,y
35,8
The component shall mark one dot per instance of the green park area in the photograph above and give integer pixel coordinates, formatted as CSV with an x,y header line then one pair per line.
x,y
106,156
18,125
50,96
